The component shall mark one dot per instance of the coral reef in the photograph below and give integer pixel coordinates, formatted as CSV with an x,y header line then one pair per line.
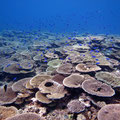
x,y
48,76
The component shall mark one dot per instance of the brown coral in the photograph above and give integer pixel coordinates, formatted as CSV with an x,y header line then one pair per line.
x,y
109,112
87,68
75,106
42,98
74,58
6,112
27,65
78,47
73,81
97,88
38,57
7,97
12,68
27,116
58,78
35,81
51,55
20,85
28,85
109,78
55,95
50,86
65,69
54,63
15,68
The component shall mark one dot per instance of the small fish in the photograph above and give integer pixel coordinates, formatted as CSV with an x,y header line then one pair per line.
x,y
69,37
94,38
7,57
5,88
69,58
89,43
14,78
97,63
110,48
112,45
97,59
94,47
97,51
93,56
29,65
92,51
107,58
80,44
61,58
20,67
8,65
36,38
73,39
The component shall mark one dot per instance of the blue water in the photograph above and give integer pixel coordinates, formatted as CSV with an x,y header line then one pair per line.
x,y
83,16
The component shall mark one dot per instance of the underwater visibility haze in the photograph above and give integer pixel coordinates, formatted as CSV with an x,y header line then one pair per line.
x,y
59,60
101,16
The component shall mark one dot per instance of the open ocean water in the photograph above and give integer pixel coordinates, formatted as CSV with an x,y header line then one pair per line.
x,y
59,60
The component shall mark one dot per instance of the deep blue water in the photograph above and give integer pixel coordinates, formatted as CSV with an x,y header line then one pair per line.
x,y
92,16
